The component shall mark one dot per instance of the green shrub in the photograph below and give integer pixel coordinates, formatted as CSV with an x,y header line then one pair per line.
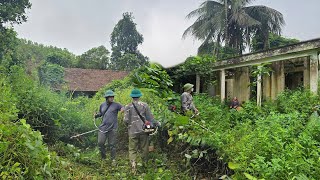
x,y
24,156
256,142
8,110
54,115
302,101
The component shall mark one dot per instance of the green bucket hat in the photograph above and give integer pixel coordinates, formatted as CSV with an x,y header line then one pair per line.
x,y
109,93
135,93
187,87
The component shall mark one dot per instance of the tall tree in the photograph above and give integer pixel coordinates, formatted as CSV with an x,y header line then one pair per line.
x,y
95,58
125,40
233,23
11,12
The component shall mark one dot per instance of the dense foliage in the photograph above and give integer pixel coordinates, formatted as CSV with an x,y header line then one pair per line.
x,y
13,12
51,75
8,42
34,54
274,40
253,143
22,151
153,77
43,109
95,58
187,71
195,65
125,40
233,23
278,141
220,52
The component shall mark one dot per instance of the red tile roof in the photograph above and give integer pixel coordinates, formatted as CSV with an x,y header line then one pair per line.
x,y
90,79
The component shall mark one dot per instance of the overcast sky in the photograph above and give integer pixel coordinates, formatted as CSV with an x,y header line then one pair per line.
x,y
80,25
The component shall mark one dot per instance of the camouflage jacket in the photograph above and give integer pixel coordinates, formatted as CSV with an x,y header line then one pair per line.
x,y
187,102
132,119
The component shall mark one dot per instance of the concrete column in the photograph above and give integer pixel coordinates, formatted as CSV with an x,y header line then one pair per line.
x,y
246,84
314,72
197,83
266,87
236,84
259,90
281,78
277,79
223,84
241,84
306,72
273,85
229,88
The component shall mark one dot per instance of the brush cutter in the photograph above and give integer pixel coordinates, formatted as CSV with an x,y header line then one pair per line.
x,y
98,129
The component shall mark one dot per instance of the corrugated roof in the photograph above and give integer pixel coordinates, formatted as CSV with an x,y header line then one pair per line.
x,y
90,79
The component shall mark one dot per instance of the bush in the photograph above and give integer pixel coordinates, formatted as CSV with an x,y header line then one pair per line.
x,y
302,101
24,156
276,143
8,110
54,115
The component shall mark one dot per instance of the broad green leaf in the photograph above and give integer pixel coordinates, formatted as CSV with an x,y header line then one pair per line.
x,y
160,170
182,120
249,176
233,166
29,145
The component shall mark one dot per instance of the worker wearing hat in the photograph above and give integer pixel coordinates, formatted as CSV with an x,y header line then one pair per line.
x,y
136,114
187,99
108,128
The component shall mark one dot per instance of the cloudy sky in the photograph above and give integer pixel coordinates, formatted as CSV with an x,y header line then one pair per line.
x,y
80,25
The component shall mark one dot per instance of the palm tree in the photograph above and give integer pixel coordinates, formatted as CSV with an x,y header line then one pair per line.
x,y
270,20
233,23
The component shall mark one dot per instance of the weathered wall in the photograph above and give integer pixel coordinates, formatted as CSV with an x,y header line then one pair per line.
x,y
241,87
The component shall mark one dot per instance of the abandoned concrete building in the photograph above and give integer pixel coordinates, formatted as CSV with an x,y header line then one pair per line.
x,y
292,66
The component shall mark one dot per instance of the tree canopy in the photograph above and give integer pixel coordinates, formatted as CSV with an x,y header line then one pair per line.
x,y
125,40
233,23
63,58
13,11
274,40
125,35
95,58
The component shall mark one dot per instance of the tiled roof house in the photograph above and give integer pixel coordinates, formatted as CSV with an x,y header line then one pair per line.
x,y
89,81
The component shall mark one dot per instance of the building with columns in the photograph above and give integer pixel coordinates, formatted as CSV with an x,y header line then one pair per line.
x,y
291,66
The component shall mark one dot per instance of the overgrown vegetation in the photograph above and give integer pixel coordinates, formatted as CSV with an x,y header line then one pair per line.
x,y
256,143
279,140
